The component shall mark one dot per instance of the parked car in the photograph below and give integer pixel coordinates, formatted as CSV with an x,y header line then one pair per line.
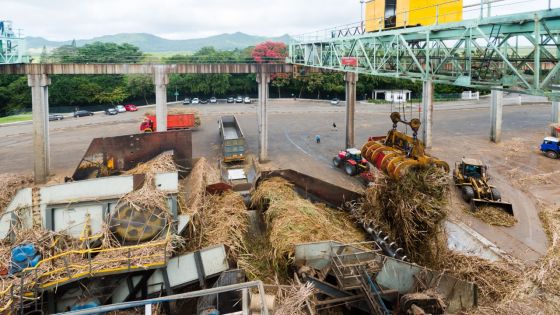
x,y
247,100
120,108
186,101
111,111
195,101
230,100
213,100
203,101
335,101
239,99
55,117
82,113
130,107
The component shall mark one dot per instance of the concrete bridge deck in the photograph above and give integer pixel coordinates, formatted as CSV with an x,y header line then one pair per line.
x,y
109,69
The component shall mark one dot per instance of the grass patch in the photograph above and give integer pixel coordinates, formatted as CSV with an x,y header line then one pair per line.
x,y
15,118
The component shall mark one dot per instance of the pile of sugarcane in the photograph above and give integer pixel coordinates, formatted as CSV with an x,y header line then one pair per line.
x,y
214,219
410,209
292,220
9,185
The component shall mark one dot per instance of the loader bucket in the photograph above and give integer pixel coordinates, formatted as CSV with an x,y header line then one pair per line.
x,y
505,206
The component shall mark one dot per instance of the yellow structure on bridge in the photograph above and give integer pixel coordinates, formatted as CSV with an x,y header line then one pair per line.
x,y
387,14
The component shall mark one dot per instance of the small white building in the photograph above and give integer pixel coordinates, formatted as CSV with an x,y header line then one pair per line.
x,y
470,95
393,96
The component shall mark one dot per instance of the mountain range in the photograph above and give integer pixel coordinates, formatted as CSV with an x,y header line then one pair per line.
x,y
152,43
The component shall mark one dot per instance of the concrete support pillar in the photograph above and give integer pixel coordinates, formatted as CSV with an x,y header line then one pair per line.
x,y
496,115
161,79
263,79
351,80
555,119
427,112
39,84
556,112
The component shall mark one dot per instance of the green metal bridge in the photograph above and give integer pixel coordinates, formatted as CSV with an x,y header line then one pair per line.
x,y
519,52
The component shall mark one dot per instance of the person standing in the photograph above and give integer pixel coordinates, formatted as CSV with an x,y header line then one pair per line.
x,y
318,138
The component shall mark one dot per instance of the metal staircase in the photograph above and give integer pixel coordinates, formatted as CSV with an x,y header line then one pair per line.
x,y
352,271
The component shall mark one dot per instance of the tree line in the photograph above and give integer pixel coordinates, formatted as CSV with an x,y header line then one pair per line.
x,y
87,90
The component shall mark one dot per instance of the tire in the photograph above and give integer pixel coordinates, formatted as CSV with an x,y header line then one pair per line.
x,y
350,169
496,194
468,193
336,161
552,154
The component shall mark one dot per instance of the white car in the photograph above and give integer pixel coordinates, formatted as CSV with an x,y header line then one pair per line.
x,y
213,100
334,101
120,108
247,100
195,101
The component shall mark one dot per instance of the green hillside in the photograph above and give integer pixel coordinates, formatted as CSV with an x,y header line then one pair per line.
x,y
152,43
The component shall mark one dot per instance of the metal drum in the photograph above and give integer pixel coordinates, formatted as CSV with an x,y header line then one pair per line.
x,y
134,226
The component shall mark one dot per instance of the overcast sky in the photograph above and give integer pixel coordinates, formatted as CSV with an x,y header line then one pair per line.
x,y
183,19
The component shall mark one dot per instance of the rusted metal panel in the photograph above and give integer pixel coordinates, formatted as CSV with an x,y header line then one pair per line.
x,y
113,69
314,188
125,152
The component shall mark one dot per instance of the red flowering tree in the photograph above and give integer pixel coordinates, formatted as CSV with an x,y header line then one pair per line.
x,y
270,52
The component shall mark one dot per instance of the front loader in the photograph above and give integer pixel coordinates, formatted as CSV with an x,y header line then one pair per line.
x,y
471,176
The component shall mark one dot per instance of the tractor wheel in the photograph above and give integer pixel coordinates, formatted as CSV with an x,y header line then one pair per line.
x,y
336,161
468,193
552,154
496,195
350,169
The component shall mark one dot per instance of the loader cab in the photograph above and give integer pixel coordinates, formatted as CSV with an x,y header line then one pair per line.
x,y
472,168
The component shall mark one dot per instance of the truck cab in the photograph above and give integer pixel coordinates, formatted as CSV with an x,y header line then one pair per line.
x,y
551,147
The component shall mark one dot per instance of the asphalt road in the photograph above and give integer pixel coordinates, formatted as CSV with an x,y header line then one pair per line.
x,y
293,125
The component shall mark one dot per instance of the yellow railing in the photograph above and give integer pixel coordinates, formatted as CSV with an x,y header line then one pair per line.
x,y
78,270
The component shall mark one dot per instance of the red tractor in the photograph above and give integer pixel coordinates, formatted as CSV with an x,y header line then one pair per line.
x,y
352,161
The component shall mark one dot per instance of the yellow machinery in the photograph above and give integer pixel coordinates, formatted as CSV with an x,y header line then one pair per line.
x,y
471,176
387,14
397,152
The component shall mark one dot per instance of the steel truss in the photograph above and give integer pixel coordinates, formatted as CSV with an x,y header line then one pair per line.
x,y
12,47
518,52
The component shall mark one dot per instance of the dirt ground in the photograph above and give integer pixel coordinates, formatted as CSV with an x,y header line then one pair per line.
x,y
525,177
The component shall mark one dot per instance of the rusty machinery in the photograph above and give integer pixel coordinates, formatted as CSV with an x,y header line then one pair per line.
x,y
114,155
397,152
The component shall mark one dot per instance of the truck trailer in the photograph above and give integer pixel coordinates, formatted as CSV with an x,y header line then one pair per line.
x,y
233,141
174,122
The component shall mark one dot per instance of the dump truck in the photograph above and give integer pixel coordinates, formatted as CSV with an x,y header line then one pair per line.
x,y
471,176
174,122
233,141
397,153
